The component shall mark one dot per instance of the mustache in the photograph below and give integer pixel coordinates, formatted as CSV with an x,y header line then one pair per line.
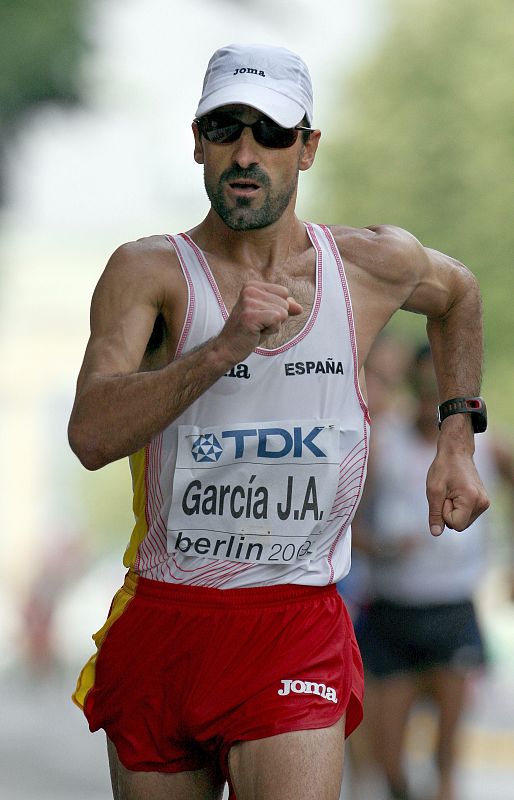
x,y
251,173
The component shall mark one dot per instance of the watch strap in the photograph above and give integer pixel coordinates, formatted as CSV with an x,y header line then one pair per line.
x,y
465,405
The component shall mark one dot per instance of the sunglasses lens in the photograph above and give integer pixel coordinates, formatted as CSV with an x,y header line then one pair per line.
x,y
224,128
269,134
220,128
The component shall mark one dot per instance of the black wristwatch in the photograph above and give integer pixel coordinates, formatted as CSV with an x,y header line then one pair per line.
x,y
465,405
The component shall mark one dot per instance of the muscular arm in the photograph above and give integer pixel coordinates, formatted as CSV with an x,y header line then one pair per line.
x,y
389,270
119,407
448,294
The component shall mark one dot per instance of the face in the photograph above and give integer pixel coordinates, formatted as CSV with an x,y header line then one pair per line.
x,y
249,185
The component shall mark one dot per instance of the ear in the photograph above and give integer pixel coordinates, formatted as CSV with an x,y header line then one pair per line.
x,y
198,150
309,150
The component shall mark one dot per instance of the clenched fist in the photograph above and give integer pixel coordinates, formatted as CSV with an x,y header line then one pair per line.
x,y
260,310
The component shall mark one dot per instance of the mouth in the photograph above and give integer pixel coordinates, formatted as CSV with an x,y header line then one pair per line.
x,y
243,188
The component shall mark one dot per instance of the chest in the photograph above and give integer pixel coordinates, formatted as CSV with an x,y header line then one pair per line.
x,y
299,279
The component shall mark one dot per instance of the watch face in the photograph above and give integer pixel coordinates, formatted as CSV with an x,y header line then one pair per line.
x,y
474,403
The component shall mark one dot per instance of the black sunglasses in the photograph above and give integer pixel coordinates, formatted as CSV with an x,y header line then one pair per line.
x,y
223,128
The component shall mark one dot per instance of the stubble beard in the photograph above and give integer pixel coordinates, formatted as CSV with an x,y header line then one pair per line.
x,y
242,216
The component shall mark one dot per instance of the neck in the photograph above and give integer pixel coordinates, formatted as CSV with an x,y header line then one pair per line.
x,y
261,249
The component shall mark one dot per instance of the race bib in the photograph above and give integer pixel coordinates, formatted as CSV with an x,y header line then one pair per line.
x,y
255,493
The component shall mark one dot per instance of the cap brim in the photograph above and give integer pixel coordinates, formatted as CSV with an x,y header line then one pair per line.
x,y
280,109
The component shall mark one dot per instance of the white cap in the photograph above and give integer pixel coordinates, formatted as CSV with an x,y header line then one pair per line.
x,y
273,80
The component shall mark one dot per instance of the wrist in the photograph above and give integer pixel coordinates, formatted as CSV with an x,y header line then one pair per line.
x,y
474,407
456,435
219,358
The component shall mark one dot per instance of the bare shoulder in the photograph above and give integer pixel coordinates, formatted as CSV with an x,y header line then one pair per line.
x,y
388,268
385,252
393,262
144,261
140,274
140,288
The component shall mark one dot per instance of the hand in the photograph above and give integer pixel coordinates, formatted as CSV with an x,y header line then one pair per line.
x,y
260,310
456,495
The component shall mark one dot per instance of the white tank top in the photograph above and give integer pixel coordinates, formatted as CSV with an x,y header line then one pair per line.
x,y
256,483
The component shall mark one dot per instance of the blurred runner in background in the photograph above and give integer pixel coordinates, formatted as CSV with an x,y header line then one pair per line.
x,y
419,632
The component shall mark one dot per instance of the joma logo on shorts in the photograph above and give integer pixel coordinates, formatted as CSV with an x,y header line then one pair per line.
x,y
308,687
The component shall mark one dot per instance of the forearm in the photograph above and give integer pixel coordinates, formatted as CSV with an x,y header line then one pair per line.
x,y
116,415
455,493
456,340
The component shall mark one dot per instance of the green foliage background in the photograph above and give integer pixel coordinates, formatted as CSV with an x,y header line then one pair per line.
x,y
424,138
41,45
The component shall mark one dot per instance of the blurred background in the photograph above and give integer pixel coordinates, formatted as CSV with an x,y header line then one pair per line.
x,y
414,99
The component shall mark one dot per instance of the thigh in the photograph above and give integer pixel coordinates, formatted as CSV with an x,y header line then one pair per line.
x,y
202,784
395,698
364,740
449,690
290,766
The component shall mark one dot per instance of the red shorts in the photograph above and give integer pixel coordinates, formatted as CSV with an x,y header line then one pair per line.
x,y
184,672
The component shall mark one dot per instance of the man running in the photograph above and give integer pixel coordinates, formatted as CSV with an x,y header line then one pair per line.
x,y
227,363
